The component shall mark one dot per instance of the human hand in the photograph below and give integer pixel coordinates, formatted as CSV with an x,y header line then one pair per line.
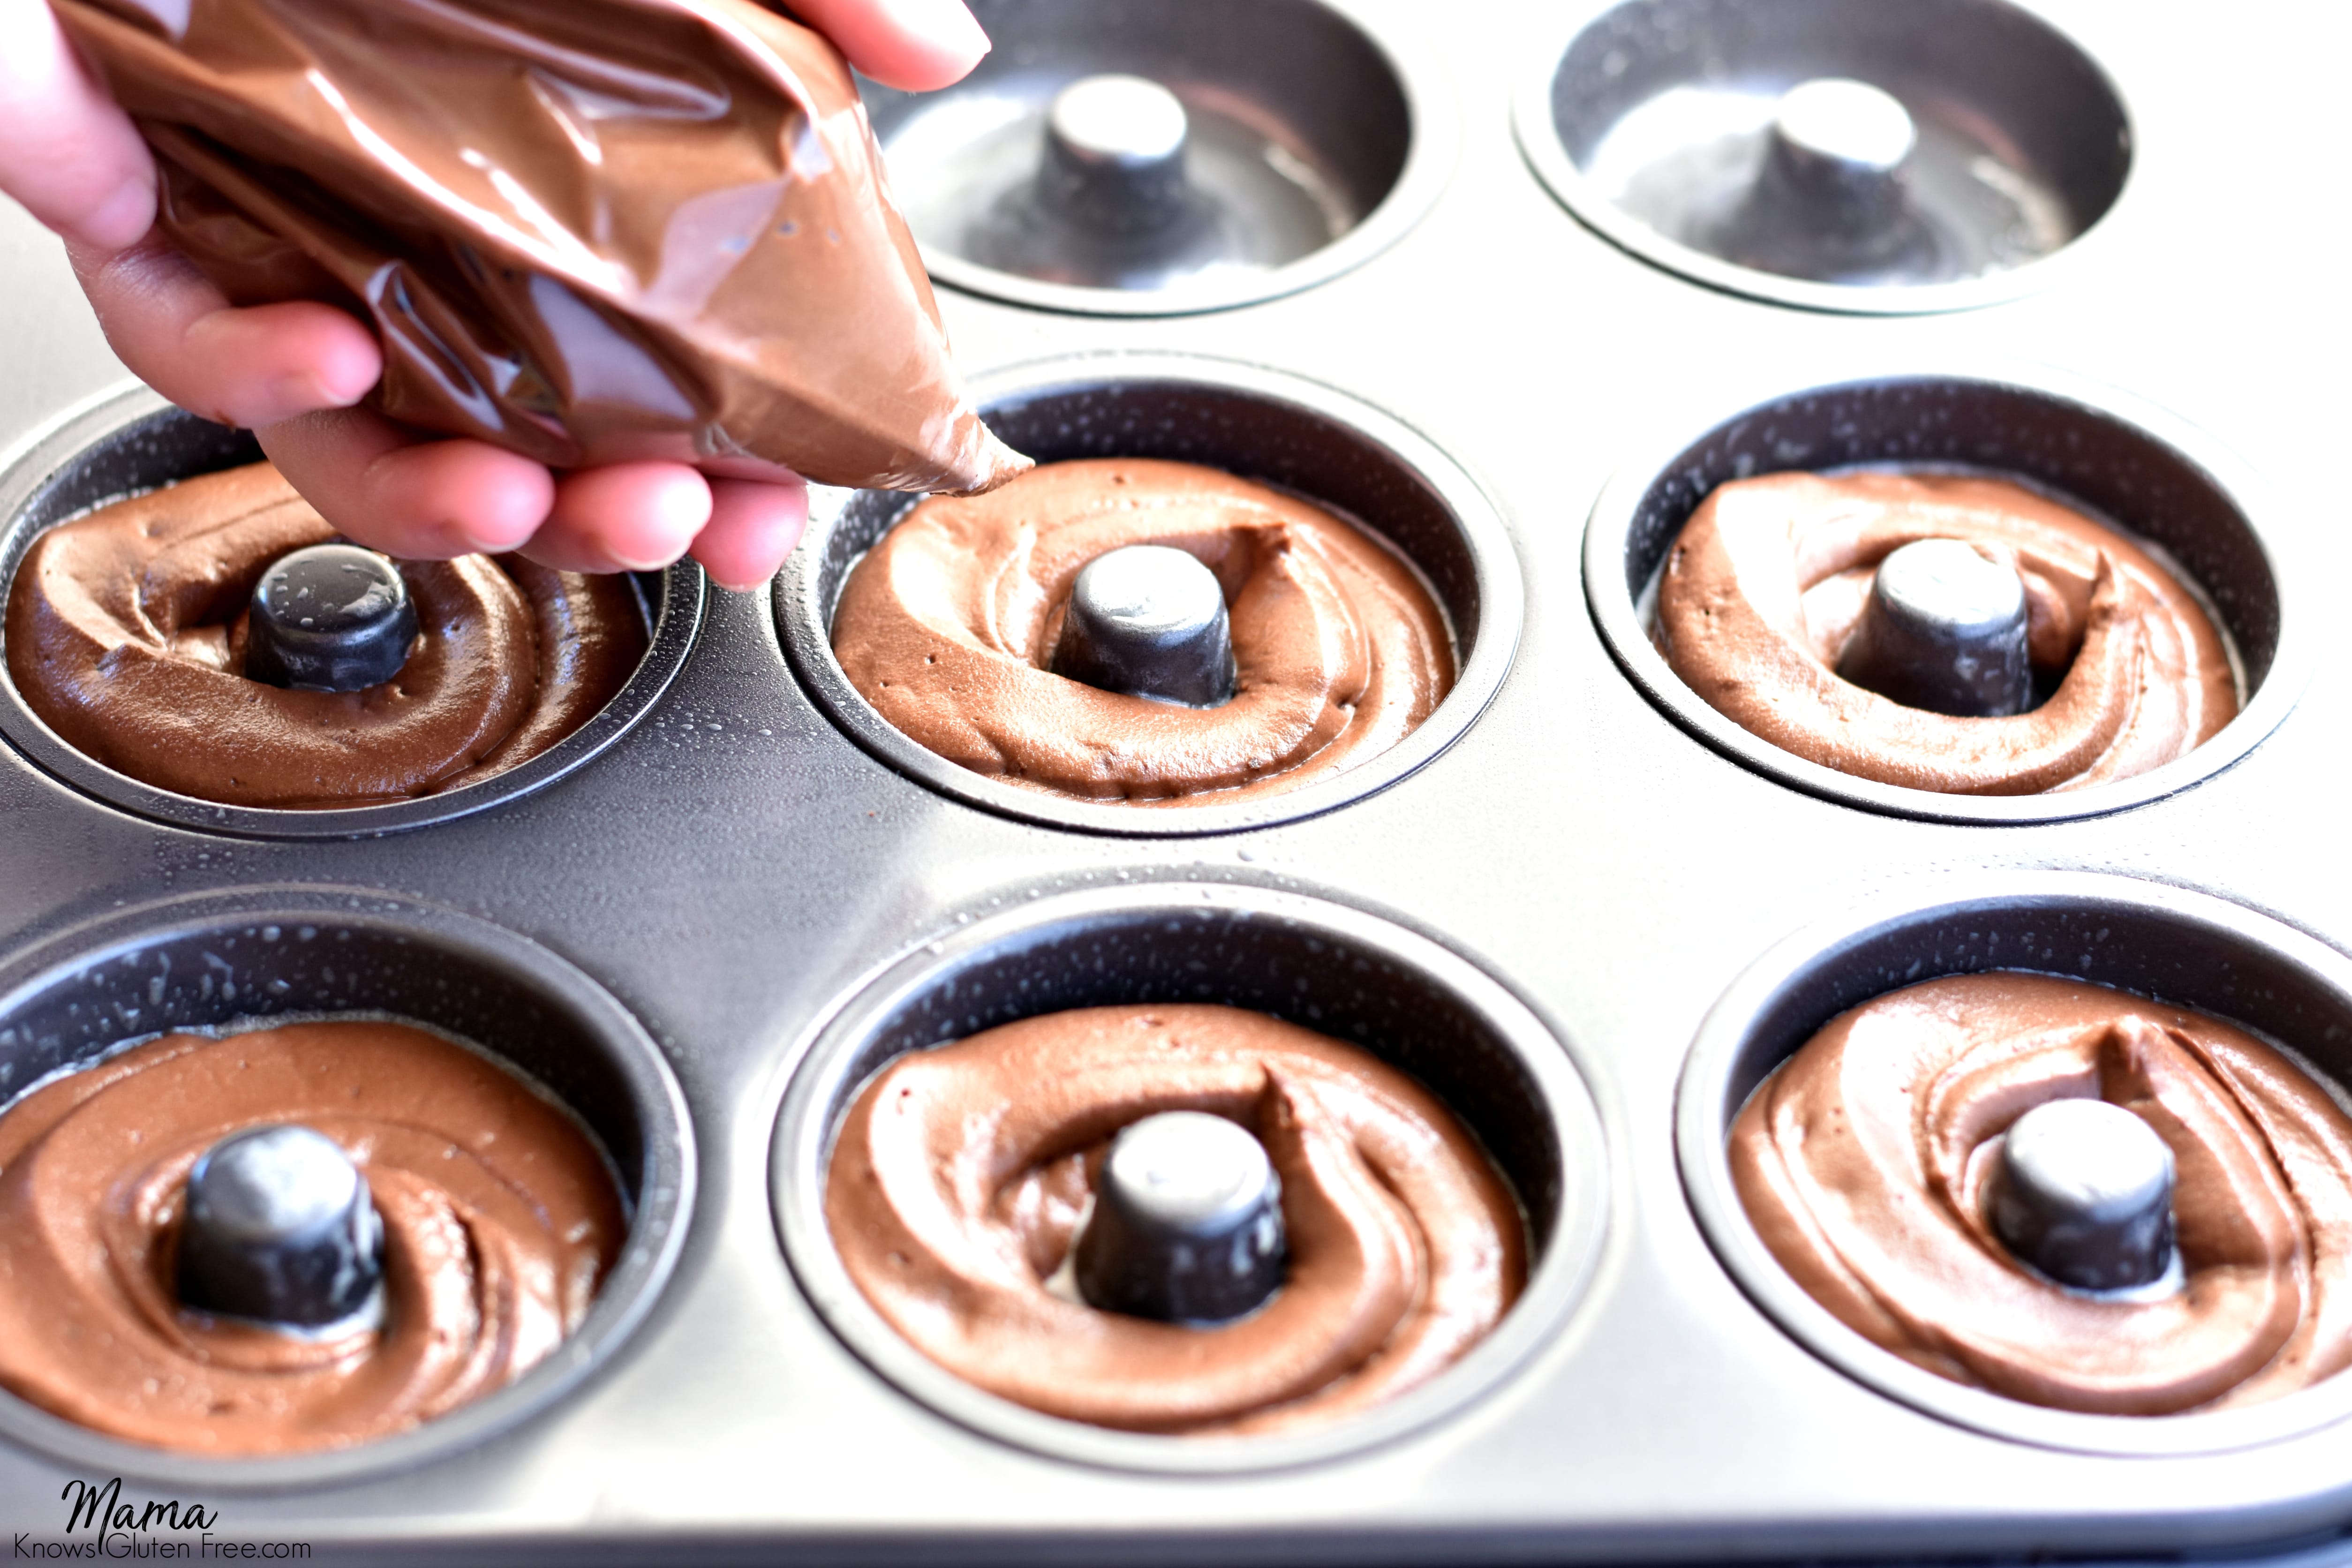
x,y
294,371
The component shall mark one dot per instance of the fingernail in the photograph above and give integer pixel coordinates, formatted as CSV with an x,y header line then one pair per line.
x,y
653,558
349,383
123,218
945,25
308,391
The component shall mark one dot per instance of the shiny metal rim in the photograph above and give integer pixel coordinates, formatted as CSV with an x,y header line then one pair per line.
x,y
666,1176
802,622
1614,613
48,453
1857,943
821,1088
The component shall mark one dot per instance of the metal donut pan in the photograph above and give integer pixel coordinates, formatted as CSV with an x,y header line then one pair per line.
x,y
1339,970
1288,432
232,960
743,873
133,441
2189,949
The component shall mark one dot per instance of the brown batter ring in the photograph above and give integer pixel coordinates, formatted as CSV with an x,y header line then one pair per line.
x,y
1863,1162
948,625
1768,580
958,1177
500,1219
126,635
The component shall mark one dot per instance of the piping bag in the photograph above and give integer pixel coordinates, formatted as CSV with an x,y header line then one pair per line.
x,y
588,231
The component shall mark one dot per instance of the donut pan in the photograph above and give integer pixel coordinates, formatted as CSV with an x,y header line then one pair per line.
x,y
1340,972
135,441
1305,438
1572,903
2185,948
2133,465
228,960
1318,126
1646,118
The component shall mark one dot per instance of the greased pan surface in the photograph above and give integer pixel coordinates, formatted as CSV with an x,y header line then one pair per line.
x,y
735,868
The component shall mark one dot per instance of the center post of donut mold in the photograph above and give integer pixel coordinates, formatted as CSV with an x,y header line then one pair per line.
x,y
1830,201
1944,629
281,1230
2082,1193
1148,620
1186,1224
330,618
1115,154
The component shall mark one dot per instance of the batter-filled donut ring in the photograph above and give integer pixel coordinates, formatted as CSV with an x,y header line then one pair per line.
x,y
1863,1161
947,625
126,635
959,1174
500,1219
1766,583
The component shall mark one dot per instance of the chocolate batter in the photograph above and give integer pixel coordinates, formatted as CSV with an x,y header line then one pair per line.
x,y
499,1219
958,1177
588,231
1863,1162
126,632
948,625
1769,578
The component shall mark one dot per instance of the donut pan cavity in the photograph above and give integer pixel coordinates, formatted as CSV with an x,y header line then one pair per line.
x,y
135,441
1278,429
2121,460
1650,120
1319,130
1565,867
226,962
2187,948
1334,970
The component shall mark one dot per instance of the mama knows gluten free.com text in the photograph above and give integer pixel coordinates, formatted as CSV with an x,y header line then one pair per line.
x,y
135,1530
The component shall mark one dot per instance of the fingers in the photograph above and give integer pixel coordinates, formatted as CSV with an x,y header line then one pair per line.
x,y
252,367
624,517
422,500
917,44
635,517
65,151
432,500
753,528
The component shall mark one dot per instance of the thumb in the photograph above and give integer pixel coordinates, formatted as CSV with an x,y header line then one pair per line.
x,y
65,151
917,44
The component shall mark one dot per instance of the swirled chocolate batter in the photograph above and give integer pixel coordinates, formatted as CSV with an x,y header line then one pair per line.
x,y
1769,578
126,635
959,1175
591,231
499,1220
949,623
1863,1163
